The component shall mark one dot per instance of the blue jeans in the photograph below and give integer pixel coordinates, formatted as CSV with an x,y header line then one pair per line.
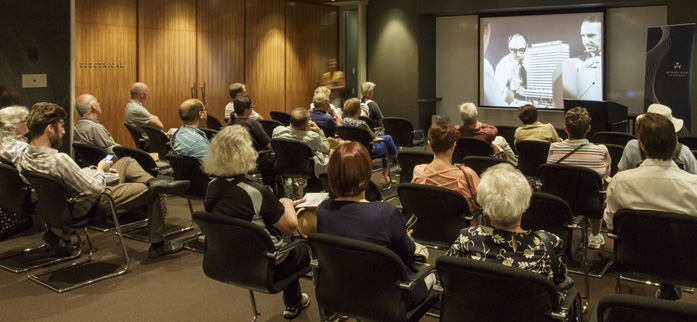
x,y
379,147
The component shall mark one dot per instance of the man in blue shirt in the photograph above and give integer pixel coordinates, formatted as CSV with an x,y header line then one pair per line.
x,y
322,114
189,140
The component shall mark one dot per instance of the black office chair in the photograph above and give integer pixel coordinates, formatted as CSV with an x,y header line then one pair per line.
x,y
159,141
441,213
619,138
368,121
466,146
690,141
656,246
140,139
562,133
282,117
632,308
213,123
241,253
143,158
294,159
87,154
508,133
210,133
615,156
476,290
403,133
378,285
269,126
581,188
54,207
531,154
326,130
408,160
550,213
479,164
363,136
372,193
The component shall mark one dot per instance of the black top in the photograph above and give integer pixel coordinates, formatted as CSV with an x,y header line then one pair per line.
x,y
259,137
242,198
376,222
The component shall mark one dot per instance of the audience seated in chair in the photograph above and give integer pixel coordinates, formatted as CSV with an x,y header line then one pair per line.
x,y
136,113
471,127
323,114
326,91
190,140
504,194
350,215
13,127
135,186
577,151
633,155
353,112
88,130
657,184
441,172
306,131
231,193
532,128
261,141
237,90
369,108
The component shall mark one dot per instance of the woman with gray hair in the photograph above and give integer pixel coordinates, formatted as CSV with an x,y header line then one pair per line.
x,y
13,126
504,194
374,113
231,155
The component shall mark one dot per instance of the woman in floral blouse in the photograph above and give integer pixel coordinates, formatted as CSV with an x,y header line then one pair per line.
x,y
504,194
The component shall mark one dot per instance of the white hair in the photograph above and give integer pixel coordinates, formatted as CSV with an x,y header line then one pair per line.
x,y
231,153
320,99
366,88
323,89
84,106
468,113
10,118
504,195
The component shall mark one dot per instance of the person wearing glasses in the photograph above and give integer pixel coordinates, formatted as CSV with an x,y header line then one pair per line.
x,y
190,140
511,73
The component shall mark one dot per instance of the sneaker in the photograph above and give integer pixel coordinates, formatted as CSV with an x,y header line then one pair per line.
x,y
336,317
595,241
677,294
291,312
176,187
169,247
57,244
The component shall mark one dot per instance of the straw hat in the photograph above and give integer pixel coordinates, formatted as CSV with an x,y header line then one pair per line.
x,y
665,111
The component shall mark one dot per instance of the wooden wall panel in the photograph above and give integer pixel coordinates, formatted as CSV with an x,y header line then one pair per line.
x,y
329,36
106,34
220,51
167,55
265,54
302,53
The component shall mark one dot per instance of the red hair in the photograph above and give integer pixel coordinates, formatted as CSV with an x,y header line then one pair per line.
x,y
349,170
442,136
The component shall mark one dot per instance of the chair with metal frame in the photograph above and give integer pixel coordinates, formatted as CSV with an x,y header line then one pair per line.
x,y
363,137
473,290
669,258
241,253
294,160
280,116
408,160
615,156
326,130
87,154
213,123
633,308
210,133
582,189
379,285
144,159
619,138
531,154
437,229
159,141
466,146
269,126
54,207
479,163
403,133
140,139
552,214
368,121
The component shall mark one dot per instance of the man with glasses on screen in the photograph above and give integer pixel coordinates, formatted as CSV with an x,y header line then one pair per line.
x,y
592,38
511,73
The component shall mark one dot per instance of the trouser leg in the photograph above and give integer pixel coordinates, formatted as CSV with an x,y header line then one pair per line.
x,y
130,171
297,258
510,156
130,195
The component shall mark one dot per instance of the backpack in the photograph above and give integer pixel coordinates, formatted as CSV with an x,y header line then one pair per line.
x,y
676,154
365,110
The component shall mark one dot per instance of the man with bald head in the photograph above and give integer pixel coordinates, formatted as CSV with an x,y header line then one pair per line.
x,y
88,130
303,130
190,140
136,113
511,71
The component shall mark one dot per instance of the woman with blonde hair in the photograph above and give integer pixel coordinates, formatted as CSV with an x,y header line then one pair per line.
x,y
231,193
13,127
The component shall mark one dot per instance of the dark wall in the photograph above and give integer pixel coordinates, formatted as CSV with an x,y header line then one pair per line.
x,y
679,12
401,42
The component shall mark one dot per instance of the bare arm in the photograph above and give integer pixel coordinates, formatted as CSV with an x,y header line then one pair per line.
x,y
288,223
155,121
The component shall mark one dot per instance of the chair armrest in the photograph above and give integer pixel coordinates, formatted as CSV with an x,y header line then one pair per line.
x,y
377,139
566,307
419,131
419,276
286,248
498,153
378,128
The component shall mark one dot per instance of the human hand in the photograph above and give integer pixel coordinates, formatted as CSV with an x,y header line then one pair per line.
x,y
104,165
409,232
313,126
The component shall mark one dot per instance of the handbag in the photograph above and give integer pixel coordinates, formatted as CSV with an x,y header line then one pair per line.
x,y
478,213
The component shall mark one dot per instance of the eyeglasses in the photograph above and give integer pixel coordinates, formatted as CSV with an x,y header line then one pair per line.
x,y
518,50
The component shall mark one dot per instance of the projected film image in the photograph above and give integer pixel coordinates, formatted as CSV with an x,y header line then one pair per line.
x,y
541,59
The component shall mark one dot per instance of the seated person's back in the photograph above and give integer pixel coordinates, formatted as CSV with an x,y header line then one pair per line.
x,y
88,130
243,109
189,140
303,130
532,128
